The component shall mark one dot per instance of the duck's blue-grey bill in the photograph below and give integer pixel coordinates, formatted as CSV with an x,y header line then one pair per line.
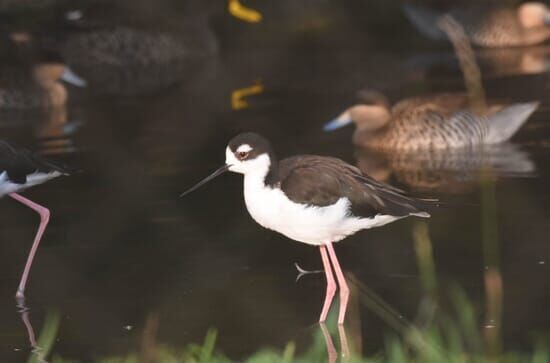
x,y
336,124
218,172
72,78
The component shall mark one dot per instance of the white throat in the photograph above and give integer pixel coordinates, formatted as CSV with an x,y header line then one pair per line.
x,y
257,167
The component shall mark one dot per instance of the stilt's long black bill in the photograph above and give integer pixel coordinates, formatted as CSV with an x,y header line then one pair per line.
x,y
218,172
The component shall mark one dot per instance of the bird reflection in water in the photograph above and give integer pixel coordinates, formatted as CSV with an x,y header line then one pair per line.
x,y
38,354
53,128
332,354
56,131
344,351
24,311
494,63
447,171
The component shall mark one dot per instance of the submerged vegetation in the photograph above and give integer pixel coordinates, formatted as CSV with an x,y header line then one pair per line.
x,y
462,334
447,339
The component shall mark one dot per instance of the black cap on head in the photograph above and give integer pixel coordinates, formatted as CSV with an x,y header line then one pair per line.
x,y
258,145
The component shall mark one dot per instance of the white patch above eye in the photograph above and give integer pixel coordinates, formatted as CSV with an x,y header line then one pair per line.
x,y
244,148
230,158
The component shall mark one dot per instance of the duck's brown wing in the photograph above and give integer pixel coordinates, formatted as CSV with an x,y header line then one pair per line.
x,y
444,104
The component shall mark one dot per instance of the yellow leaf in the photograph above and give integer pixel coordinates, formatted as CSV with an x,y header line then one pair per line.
x,y
238,95
242,12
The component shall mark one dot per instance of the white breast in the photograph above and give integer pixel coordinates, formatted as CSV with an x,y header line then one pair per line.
x,y
309,224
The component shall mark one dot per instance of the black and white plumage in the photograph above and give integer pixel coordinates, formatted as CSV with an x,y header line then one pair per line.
x,y
313,199
19,170
309,198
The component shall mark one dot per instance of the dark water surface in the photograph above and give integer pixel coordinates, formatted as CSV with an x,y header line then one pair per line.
x,y
121,246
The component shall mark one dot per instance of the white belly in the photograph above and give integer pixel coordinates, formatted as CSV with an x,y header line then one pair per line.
x,y
7,187
313,225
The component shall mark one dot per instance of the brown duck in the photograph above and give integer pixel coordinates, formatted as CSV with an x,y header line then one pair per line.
x,y
441,121
489,26
42,88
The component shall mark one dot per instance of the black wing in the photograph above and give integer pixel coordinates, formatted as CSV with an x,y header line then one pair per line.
x,y
321,181
19,163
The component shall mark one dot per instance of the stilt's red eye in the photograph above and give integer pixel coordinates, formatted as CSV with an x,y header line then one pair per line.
x,y
242,154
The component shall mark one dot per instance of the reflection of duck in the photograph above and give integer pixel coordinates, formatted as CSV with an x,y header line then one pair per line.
x,y
527,24
448,170
512,61
55,132
496,62
433,122
21,88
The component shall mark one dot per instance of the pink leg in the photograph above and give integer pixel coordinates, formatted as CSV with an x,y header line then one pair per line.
x,y
44,218
331,284
344,290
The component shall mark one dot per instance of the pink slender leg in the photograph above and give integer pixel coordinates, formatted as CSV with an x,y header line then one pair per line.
x,y
331,284
44,218
344,289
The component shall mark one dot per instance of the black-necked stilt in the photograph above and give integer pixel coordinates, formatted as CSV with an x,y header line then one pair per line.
x,y
19,170
441,121
489,25
312,199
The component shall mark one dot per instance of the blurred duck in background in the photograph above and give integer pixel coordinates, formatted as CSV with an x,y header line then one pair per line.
x,y
124,59
120,46
32,79
442,121
489,25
